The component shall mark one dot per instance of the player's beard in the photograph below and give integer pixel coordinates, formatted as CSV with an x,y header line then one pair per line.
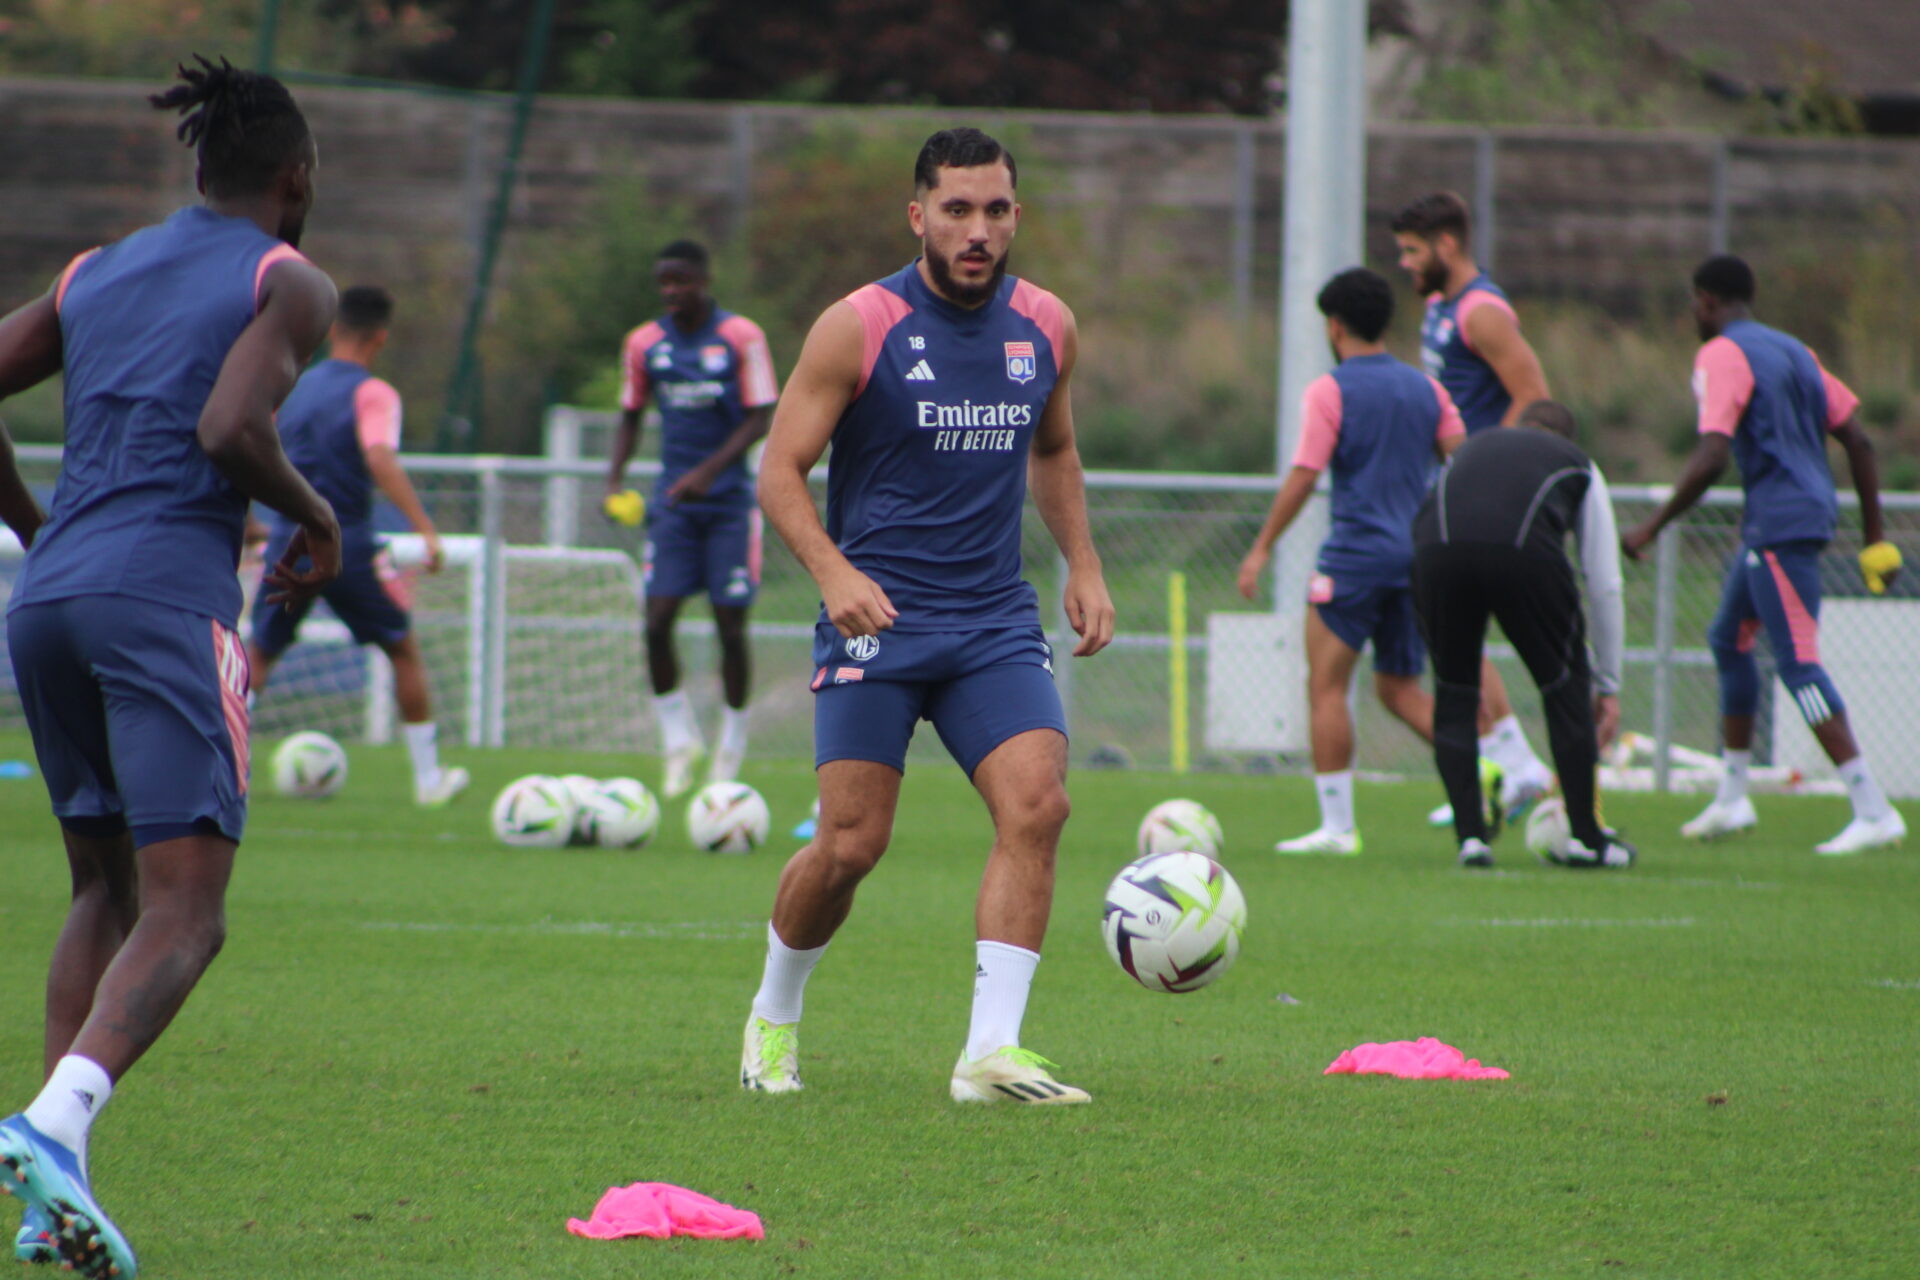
x,y
1433,278
965,295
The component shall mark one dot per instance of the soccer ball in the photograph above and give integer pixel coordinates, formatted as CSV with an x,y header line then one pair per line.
x,y
1548,832
727,817
585,791
1173,920
625,814
309,764
1175,825
534,812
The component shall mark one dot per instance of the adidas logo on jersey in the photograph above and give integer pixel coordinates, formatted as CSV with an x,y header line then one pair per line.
x,y
921,372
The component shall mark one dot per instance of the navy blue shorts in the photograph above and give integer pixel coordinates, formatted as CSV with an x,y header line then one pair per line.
x,y
369,596
1359,612
711,548
979,688
139,716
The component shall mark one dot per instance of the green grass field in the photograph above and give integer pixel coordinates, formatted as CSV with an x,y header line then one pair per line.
x,y
421,1053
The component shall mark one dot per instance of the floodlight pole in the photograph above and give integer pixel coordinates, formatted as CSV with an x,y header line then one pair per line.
x,y
1323,232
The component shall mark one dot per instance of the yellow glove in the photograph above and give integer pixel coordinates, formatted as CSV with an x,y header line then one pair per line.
x,y
1878,564
627,507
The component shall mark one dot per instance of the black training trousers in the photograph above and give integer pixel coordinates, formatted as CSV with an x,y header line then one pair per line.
x,y
1457,586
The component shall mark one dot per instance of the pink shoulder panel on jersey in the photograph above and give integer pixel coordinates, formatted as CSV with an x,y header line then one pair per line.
x,y
879,310
66,277
1472,302
376,414
1320,411
758,385
1722,384
1041,307
1841,402
279,253
1451,424
633,364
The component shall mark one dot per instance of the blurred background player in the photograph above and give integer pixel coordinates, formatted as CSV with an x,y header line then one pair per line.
x,y
341,427
1470,340
943,390
712,376
1491,542
1381,426
1766,402
175,344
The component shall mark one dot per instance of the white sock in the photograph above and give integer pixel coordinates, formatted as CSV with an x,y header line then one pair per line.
x,y
783,983
733,729
1336,800
1507,746
74,1095
1869,802
1733,783
422,745
678,731
1002,977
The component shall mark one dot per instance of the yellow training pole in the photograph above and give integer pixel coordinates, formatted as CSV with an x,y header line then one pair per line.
x,y
1177,665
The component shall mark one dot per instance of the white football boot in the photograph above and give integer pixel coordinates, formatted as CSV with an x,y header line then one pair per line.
x,y
1343,844
1717,820
1862,834
1441,817
442,789
1519,791
681,766
770,1059
1012,1074
1475,854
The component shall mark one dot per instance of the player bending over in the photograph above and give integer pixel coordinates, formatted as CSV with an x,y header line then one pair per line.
x,y
712,376
1491,542
943,390
1470,340
1381,426
1766,402
176,344
341,428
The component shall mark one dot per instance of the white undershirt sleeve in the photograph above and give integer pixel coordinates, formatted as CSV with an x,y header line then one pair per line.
x,y
1599,540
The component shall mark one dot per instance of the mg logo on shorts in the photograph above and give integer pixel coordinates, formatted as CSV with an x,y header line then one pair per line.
x,y
861,648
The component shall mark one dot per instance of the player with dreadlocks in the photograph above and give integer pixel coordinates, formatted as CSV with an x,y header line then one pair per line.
x,y
176,345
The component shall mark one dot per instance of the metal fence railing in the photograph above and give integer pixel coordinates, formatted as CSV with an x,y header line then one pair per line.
x,y
533,642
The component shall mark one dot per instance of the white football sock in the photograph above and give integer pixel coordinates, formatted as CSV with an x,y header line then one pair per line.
x,y
1507,746
423,747
733,729
783,983
1733,783
1336,800
74,1095
678,731
1002,977
1869,802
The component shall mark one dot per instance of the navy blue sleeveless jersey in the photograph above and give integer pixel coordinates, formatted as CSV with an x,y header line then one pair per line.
x,y
1475,388
139,509
704,382
927,481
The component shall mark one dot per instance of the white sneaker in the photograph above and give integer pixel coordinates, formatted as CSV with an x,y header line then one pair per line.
x,y
725,765
449,784
1343,844
1474,853
770,1059
1012,1074
1441,817
680,769
1617,853
1862,834
1719,819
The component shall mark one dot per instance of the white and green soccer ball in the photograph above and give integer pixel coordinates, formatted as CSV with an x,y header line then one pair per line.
x,y
534,812
728,817
585,792
1548,831
1175,825
1173,920
624,813
310,765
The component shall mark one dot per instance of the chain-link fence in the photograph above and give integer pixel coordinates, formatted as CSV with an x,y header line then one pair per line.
x,y
533,640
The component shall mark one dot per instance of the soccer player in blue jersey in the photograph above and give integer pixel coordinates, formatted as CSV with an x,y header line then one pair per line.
x,y
176,344
1766,403
943,390
1470,340
712,376
1381,427
341,427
